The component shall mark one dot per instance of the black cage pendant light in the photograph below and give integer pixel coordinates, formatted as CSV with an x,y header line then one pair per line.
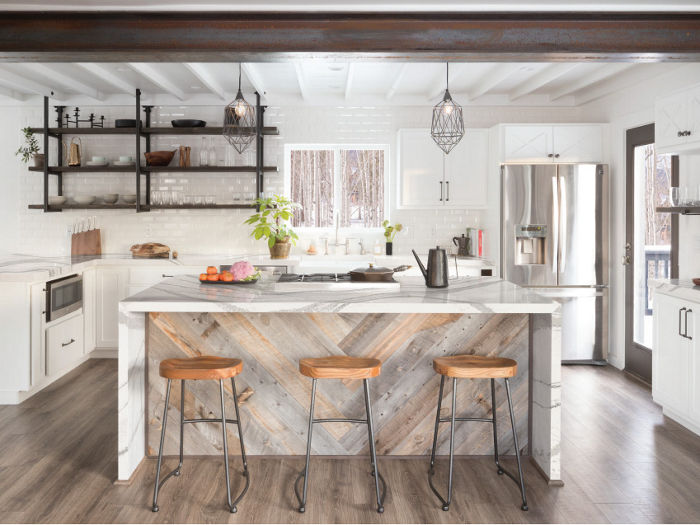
x,y
239,120
447,128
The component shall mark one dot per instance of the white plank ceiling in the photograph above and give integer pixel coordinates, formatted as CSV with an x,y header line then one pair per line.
x,y
319,82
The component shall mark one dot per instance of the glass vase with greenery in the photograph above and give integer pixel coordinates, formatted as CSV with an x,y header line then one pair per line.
x,y
390,232
272,223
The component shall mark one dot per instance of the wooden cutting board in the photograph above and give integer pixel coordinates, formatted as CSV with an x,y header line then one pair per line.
x,y
86,243
150,250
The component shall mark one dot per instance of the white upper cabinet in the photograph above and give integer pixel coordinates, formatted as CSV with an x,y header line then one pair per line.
x,y
677,122
552,143
427,178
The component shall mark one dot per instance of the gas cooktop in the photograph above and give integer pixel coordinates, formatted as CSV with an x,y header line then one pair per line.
x,y
314,278
327,281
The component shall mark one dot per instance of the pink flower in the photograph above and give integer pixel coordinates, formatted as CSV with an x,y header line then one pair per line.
x,y
241,270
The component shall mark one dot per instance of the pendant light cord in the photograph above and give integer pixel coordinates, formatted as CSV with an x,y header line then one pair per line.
x,y
239,76
448,77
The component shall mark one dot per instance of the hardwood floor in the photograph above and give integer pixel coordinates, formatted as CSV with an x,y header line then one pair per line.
x,y
623,462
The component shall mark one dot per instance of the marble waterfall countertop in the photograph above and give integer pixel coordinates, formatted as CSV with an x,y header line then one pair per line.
x,y
464,295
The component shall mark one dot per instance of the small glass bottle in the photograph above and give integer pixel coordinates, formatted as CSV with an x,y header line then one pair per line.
x,y
211,153
203,155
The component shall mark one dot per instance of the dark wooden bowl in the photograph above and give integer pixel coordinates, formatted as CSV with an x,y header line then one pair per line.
x,y
159,158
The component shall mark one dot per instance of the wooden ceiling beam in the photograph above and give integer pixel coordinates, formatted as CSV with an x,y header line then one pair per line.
x,y
540,79
202,73
158,78
107,76
271,36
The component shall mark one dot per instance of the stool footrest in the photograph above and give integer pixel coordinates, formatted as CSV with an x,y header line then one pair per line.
x,y
210,420
340,420
478,419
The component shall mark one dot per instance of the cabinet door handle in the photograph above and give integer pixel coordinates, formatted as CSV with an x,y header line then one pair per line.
x,y
680,332
441,191
556,155
447,183
550,155
166,275
688,311
69,342
680,133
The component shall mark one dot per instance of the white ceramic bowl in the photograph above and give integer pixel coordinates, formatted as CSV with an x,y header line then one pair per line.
x,y
110,198
129,198
57,200
126,158
98,159
84,199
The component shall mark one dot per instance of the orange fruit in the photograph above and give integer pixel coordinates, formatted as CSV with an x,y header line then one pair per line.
x,y
203,276
213,277
211,270
226,276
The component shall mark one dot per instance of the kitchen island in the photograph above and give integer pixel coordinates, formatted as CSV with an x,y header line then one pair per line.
x,y
270,330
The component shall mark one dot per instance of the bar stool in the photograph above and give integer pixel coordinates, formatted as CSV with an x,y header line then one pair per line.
x,y
474,367
194,368
341,367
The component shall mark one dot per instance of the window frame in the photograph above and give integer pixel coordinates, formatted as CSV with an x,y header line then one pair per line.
x,y
337,147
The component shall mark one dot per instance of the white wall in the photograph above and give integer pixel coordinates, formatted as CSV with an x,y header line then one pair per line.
x,y
624,110
222,232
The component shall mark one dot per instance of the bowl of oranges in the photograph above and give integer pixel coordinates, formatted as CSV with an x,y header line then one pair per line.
x,y
240,273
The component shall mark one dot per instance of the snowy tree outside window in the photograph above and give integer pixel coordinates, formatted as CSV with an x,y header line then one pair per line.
x,y
345,180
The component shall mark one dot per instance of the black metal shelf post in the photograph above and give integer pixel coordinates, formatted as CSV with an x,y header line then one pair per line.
x,y
137,163
147,110
259,144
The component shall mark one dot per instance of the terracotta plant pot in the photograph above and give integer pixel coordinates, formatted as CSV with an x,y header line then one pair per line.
x,y
280,250
38,159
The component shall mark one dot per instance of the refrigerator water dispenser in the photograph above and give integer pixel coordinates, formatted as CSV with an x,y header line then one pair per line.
x,y
530,241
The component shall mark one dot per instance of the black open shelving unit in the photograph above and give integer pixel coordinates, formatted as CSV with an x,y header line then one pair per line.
x,y
145,132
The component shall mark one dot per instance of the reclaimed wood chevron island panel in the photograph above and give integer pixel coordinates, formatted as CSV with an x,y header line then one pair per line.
x,y
275,397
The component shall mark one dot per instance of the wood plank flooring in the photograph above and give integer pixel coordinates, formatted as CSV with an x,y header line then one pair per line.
x,y
623,462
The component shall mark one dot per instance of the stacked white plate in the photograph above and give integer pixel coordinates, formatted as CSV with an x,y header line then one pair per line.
x,y
96,164
121,163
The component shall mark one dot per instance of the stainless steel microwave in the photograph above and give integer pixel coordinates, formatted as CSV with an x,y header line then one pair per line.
x,y
63,296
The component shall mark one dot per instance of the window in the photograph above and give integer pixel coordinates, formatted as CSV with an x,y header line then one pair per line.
x,y
347,181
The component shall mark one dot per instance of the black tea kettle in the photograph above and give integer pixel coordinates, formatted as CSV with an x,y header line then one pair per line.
x,y
436,274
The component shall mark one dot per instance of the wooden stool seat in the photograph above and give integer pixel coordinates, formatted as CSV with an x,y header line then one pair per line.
x,y
340,367
202,367
475,366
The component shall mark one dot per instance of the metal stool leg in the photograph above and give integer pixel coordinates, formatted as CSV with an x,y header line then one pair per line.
x,y
305,474
155,507
437,426
517,448
223,428
372,449
495,428
178,470
452,443
240,437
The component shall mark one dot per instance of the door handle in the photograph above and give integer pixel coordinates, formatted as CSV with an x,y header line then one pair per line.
x,y
69,342
441,191
447,184
166,275
626,260
679,321
688,311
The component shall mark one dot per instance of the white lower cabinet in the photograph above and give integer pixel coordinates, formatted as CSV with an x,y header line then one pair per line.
x,y
64,344
676,359
111,286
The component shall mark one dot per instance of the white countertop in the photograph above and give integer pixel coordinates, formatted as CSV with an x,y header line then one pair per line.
x,y
464,295
32,269
683,289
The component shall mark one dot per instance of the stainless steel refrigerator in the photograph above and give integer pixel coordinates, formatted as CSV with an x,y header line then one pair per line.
x,y
554,221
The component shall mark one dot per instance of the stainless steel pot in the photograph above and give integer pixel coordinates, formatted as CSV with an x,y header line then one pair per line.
x,y
376,274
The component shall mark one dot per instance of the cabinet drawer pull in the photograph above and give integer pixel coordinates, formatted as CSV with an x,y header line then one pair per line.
x,y
69,342
166,275
441,191
680,332
688,311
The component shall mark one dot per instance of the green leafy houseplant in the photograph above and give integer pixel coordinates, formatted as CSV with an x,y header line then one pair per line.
x,y
271,222
30,147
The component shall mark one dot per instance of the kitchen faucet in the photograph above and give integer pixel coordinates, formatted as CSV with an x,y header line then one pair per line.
x,y
337,243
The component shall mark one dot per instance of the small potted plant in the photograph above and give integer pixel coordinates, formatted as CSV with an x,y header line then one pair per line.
x,y
271,223
30,149
389,234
